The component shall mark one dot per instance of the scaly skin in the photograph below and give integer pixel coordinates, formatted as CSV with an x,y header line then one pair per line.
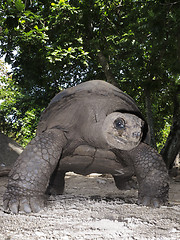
x,y
30,175
151,174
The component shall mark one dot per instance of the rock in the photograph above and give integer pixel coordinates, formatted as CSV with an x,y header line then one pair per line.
x,y
9,152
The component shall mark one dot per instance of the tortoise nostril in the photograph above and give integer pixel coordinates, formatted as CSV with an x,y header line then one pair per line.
x,y
136,134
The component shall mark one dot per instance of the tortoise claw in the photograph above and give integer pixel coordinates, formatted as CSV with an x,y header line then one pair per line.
x,y
13,206
156,203
37,204
24,206
148,201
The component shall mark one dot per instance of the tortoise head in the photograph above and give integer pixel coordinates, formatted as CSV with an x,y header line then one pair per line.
x,y
123,130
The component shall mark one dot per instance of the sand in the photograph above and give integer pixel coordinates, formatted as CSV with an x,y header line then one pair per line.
x,y
93,208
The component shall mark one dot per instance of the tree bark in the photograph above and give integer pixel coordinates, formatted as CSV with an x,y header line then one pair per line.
x,y
172,145
149,116
100,55
106,68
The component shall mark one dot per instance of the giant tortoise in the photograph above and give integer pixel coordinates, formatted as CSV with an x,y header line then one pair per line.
x,y
91,128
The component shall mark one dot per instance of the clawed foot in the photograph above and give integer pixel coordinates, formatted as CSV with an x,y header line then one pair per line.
x,y
151,202
14,203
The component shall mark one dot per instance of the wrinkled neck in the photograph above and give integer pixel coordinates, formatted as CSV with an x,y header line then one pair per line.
x,y
94,136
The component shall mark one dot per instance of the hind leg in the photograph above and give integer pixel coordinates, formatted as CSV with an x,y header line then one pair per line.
x,y
125,183
57,183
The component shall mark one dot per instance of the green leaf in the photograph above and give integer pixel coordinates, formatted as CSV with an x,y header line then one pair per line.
x,y
9,2
19,5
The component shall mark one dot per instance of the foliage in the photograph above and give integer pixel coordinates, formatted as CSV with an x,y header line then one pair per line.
x,y
164,132
18,111
55,44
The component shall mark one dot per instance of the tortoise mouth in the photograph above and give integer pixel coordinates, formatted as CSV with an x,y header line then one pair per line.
x,y
127,144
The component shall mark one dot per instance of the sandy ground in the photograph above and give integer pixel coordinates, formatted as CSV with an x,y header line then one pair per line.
x,y
93,208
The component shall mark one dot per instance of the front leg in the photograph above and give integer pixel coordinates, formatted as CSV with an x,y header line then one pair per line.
x,y
30,175
151,174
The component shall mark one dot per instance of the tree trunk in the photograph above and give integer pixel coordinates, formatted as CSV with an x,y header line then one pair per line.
x,y
149,116
172,145
97,46
106,68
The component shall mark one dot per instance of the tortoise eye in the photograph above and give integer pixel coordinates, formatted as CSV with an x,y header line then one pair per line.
x,y
119,124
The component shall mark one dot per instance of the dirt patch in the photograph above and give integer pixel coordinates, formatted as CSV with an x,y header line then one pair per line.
x,y
93,208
